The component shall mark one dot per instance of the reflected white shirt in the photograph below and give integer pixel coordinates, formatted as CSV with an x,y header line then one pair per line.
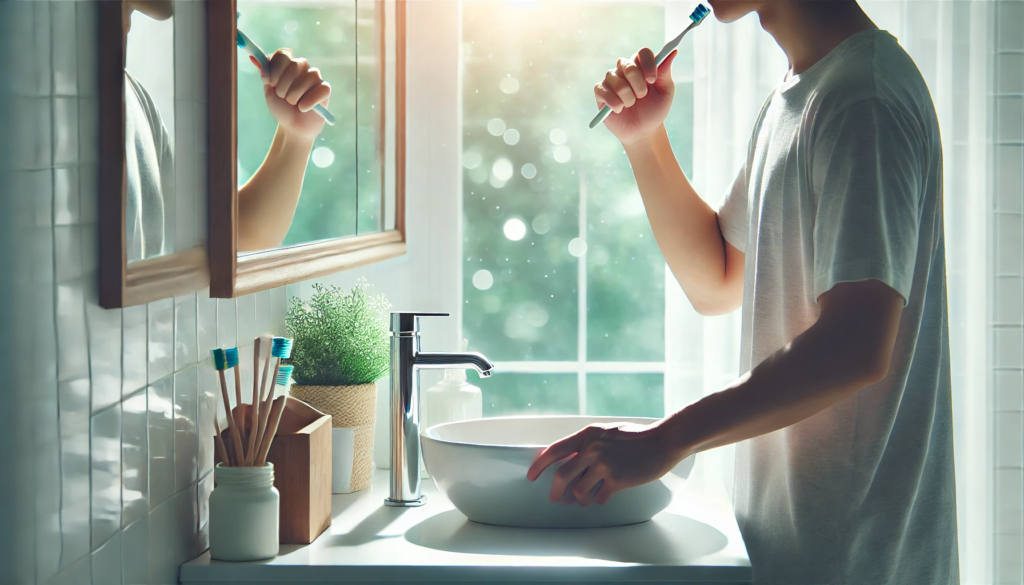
x,y
149,169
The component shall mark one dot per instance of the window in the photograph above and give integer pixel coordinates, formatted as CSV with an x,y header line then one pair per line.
x,y
564,285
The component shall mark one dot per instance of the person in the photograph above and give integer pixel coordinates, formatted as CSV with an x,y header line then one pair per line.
x,y
267,202
831,240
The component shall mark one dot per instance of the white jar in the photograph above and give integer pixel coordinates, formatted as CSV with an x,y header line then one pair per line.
x,y
244,514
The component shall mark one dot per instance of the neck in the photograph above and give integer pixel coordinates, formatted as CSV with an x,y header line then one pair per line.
x,y
808,30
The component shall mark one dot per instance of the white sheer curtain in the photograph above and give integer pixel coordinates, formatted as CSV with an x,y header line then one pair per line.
x,y
735,68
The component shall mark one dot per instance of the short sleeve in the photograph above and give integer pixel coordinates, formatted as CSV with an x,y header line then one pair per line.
x,y
867,177
733,219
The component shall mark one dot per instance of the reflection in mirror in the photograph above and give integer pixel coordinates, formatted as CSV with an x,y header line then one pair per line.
x,y
301,180
149,128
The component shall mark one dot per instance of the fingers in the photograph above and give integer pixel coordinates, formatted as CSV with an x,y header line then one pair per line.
x,y
565,475
616,81
302,84
584,488
645,61
289,76
554,452
629,71
606,491
279,61
607,97
317,95
627,82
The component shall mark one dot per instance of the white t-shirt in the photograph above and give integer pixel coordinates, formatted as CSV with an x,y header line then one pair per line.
x,y
843,183
149,169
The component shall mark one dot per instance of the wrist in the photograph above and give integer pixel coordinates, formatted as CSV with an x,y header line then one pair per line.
x,y
293,140
671,434
647,142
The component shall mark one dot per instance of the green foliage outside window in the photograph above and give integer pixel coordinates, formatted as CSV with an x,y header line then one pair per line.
x,y
528,159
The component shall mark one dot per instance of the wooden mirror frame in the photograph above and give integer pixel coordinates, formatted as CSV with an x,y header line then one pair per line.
x,y
234,276
123,284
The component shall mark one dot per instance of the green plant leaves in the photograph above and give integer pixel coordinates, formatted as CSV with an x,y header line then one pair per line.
x,y
340,339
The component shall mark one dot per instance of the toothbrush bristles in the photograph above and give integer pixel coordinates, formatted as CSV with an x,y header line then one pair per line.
x,y
699,13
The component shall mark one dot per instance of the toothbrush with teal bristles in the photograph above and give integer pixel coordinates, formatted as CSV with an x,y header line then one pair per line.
x,y
224,359
280,348
697,17
244,42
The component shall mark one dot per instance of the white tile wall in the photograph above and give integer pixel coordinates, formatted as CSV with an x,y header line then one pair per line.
x,y
113,454
1008,297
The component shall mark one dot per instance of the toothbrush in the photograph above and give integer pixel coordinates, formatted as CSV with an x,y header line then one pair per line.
x,y
697,17
222,360
244,42
281,348
261,350
274,420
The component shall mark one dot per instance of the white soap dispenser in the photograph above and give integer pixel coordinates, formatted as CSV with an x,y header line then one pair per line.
x,y
453,399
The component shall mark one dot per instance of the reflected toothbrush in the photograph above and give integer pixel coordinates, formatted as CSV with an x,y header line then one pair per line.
x,y
244,42
697,16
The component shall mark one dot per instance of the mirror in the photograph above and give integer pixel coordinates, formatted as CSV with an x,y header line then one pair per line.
x,y
302,179
299,193
153,150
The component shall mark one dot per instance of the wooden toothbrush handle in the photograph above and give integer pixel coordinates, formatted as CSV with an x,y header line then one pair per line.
x,y
239,417
275,419
236,439
256,399
267,403
218,442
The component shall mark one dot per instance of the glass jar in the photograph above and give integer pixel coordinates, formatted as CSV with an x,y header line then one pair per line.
x,y
244,514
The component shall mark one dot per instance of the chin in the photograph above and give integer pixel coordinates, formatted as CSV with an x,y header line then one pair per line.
x,y
732,10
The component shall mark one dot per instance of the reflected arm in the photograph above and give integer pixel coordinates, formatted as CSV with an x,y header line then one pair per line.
x,y
266,203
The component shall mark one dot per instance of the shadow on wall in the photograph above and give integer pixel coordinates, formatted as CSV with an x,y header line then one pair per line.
x,y
655,542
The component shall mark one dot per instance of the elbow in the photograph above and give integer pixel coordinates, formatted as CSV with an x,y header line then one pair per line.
x,y
716,304
712,309
872,367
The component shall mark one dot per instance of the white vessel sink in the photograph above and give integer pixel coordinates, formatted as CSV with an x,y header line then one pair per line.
x,y
480,465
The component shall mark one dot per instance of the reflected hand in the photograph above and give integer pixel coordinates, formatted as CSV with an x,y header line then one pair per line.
x,y
292,88
639,94
615,455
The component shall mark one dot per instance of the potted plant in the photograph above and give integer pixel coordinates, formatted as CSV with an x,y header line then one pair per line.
x,y
341,350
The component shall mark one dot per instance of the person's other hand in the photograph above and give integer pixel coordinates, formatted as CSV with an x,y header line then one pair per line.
x,y
639,94
292,88
615,455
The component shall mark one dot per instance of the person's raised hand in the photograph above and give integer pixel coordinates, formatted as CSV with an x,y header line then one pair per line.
x,y
615,455
639,94
292,88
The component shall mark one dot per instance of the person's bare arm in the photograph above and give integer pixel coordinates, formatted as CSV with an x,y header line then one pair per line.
x,y
267,201
709,269
848,348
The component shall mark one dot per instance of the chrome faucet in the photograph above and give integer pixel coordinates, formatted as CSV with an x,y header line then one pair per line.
x,y
406,362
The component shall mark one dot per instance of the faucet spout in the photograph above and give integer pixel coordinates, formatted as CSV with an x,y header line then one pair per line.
x,y
439,360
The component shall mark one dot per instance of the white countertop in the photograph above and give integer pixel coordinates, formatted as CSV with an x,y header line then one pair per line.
x,y
695,540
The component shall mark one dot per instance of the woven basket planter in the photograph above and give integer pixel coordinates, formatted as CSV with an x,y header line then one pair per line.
x,y
352,409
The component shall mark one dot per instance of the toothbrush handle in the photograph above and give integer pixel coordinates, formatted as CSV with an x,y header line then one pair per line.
x,y
600,117
326,115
